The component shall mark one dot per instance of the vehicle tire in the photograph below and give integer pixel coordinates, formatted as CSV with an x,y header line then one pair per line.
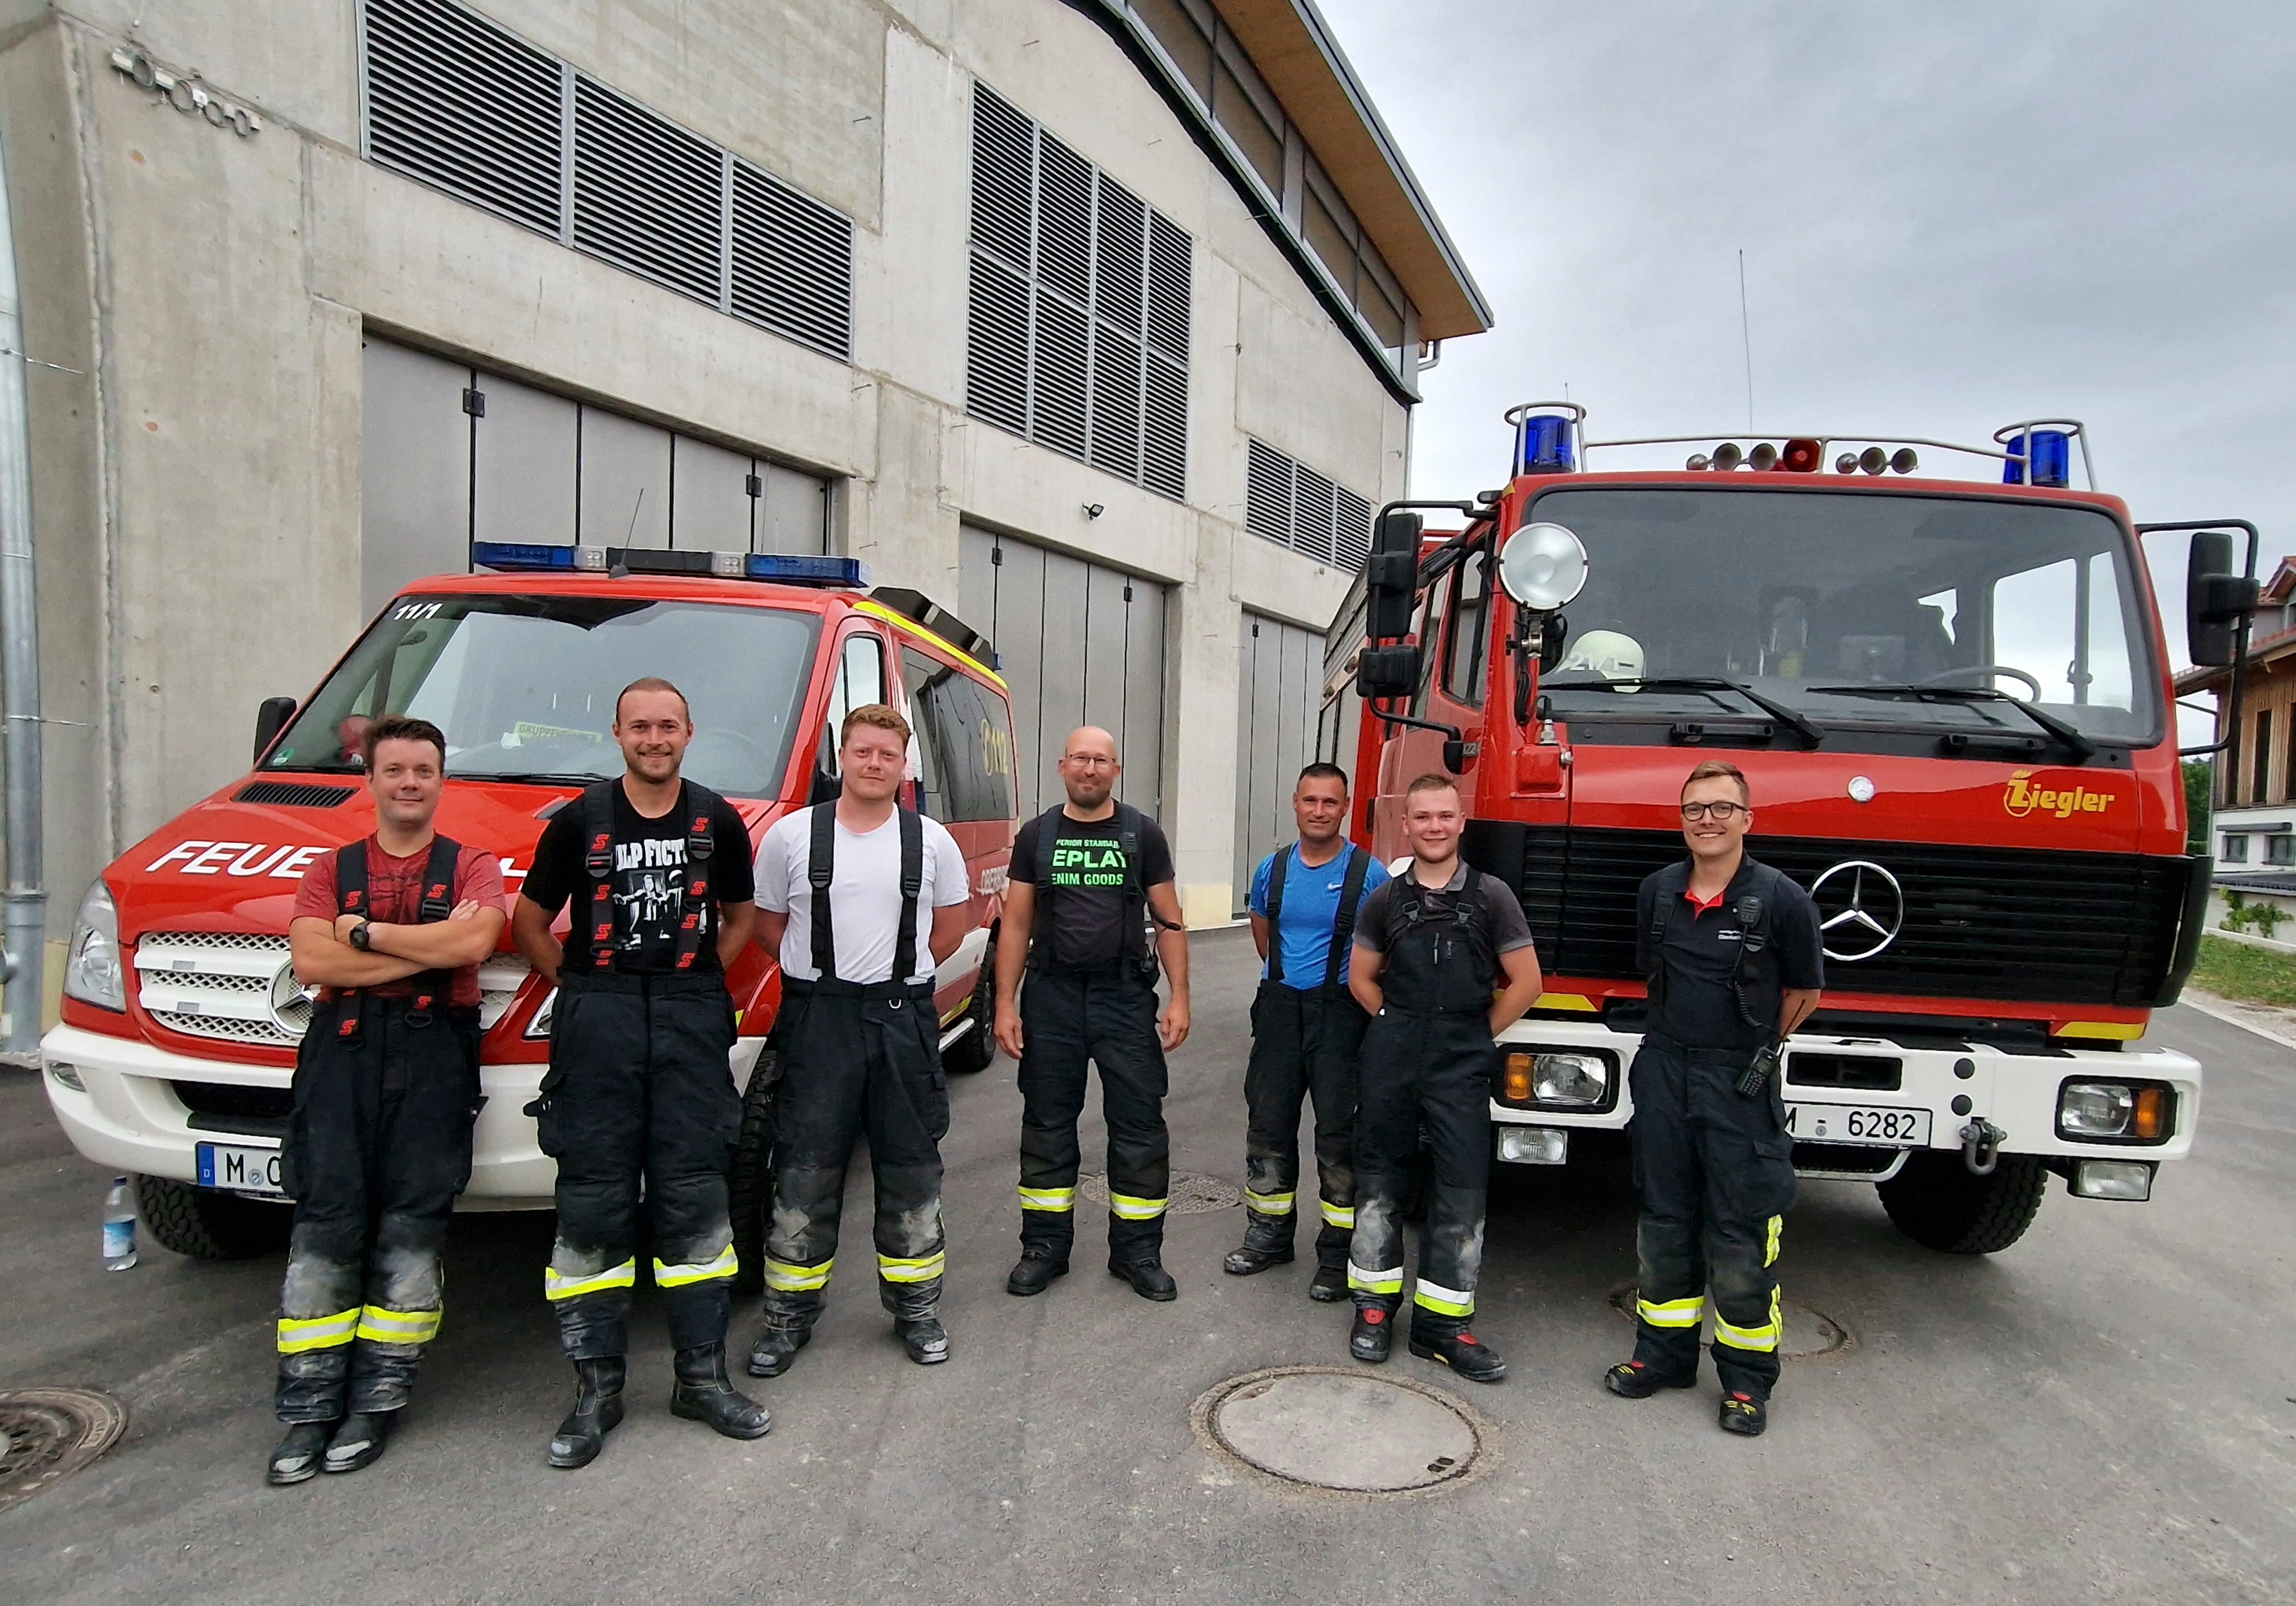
x,y
1936,1203
207,1225
976,1051
750,1189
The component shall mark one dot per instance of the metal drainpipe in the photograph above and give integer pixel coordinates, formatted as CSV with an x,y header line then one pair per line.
x,y
24,928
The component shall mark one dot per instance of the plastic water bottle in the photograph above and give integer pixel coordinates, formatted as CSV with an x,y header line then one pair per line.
x,y
119,1227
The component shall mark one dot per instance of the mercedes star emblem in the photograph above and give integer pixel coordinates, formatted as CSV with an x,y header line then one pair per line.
x,y
1860,908
292,1001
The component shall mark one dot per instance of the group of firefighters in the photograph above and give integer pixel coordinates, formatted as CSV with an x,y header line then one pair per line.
x,y
1381,1001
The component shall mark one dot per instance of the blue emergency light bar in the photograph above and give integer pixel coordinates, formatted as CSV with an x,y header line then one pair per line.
x,y
781,569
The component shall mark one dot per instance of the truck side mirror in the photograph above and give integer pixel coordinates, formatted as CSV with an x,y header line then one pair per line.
x,y
271,718
1392,575
2218,602
1387,671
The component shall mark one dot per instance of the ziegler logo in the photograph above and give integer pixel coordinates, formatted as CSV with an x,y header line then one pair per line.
x,y
2022,798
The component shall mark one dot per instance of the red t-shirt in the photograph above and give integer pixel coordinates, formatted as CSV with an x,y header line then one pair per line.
x,y
395,898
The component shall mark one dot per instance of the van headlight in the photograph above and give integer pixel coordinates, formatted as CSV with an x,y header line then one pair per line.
x,y
92,968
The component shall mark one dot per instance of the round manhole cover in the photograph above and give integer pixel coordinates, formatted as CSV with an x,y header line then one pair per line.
x,y
1334,1430
1191,1192
1807,1333
49,1432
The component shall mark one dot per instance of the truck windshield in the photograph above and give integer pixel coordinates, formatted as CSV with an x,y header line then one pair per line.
x,y
524,687
1844,606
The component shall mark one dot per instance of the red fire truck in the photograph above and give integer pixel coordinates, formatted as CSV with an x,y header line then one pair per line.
x,y
181,1009
1951,699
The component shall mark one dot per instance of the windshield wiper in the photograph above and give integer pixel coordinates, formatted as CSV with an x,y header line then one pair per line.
x,y
2069,734
1811,736
530,777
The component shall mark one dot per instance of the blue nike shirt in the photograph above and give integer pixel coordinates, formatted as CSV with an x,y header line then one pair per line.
x,y
1311,904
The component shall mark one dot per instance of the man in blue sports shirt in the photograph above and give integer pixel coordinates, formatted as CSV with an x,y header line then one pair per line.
x,y
1306,1027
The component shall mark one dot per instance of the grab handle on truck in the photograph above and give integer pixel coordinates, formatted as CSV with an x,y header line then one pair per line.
x,y
1980,1146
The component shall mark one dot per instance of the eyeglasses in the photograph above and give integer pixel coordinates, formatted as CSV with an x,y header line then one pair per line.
x,y
1091,760
1724,812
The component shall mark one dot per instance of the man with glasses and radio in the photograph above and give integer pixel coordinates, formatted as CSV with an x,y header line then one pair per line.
x,y
1735,962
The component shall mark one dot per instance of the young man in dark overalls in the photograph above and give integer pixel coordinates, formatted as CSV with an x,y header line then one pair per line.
x,y
1735,960
1430,949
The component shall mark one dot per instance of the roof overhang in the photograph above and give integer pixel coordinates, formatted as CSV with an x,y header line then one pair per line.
x,y
1293,47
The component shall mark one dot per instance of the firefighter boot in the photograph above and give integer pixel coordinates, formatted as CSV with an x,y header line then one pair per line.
x,y
704,1393
926,1337
1639,1380
1329,1286
1373,1334
297,1458
597,1409
1148,1278
1034,1274
358,1442
1245,1261
775,1350
1461,1351
1744,1415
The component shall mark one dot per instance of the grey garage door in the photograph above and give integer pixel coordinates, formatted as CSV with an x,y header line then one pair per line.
x,y
1078,643
1280,686
452,454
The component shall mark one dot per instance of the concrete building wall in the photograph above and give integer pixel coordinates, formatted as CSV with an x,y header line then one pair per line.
x,y
198,482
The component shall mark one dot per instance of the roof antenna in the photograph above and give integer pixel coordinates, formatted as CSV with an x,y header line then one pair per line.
x,y
1746,333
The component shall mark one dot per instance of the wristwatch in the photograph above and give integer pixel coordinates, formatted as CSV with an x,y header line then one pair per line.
x,y
360,936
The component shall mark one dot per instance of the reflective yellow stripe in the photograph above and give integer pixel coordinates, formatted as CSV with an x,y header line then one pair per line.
x,y
1339,1215
1047,1199
1129,1208
383,1327
924,1269
298,1334
1269,1204
1672,1313
1770,1256
1764,1337
557,1285
1444,1301
1375,1282
696,1271
797,1279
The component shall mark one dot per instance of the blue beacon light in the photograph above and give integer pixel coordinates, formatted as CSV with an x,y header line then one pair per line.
x,y
2042,457
1547,444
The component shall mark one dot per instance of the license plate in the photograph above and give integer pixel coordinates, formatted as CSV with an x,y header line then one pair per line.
x,y
1879,1126
241,1170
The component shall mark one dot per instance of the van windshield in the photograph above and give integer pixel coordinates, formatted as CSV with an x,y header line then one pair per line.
x,y
1857,608
524,687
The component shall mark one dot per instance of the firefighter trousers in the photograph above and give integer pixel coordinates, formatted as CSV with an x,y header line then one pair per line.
x,y
640,1095
1304,1043
1716,1171
857,1062
1435,1071
1106,1017
377,1145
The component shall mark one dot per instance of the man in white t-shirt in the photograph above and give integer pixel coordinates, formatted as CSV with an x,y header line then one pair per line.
x,y
861,898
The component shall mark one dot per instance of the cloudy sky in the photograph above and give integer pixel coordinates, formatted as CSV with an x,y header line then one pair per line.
x,y
1955,215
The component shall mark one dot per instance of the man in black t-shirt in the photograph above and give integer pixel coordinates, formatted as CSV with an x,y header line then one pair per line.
x,y
1087,879
1735,959
639,1092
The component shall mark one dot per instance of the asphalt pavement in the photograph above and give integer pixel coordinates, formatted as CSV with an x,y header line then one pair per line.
x,y
2103,1412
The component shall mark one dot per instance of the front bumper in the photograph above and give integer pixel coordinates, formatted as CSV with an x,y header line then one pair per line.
x,y
1956,1083
127,1114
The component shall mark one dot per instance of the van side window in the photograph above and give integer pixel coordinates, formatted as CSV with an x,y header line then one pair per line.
x,y
860,681
964,742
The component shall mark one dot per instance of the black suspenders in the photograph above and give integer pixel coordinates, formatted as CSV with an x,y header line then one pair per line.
x,y
1343,921
821,869
598,858
351,898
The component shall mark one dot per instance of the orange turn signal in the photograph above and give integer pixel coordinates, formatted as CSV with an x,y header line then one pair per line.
x,y
2151,1104
1517,1080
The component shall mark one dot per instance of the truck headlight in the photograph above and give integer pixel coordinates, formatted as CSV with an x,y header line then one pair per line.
x,y
2124,1112
92,970
1554,1077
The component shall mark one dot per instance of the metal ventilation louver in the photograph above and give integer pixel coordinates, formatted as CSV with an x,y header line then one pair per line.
x,y
469,107
1294,506
1079,305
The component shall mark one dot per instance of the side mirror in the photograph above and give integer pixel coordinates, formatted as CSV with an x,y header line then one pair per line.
x,y
1553,631
2216,601
1387,672
1392,575
271,718
828,785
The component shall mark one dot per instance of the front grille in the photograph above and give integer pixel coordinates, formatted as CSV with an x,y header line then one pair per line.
x,y
293,794
230,986
2035,925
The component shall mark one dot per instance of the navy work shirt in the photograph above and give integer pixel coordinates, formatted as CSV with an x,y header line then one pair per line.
x,y
1699,952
